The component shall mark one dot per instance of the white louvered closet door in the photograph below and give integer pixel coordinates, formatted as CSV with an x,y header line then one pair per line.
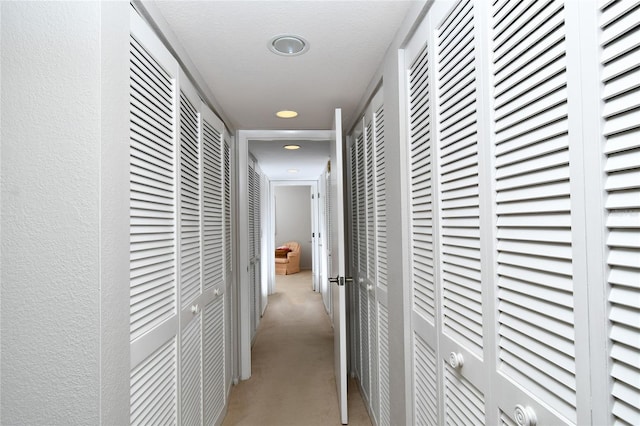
x,y
214,295
254,179
153,211
621,113
372,263
228,256
190,177
461,346
420,95
354,289
382,391
535,345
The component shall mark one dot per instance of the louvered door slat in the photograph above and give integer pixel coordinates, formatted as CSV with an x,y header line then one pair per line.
x,y
621,112
364,343
425,383
214,360
227,211
153,384
370,213
383,344
191,373
381,200
212,220
459,159
354,205
374,358
190,285
152,211
362,204
535,298
421,188
464,403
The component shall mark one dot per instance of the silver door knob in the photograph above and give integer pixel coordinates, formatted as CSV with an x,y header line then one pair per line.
x,y
369,287
195,309
525,416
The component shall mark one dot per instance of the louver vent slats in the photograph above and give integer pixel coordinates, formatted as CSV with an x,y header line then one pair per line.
x,y
212,208
153,388
425,383
214,363
464,403
189,202
421,189
152,193
227,210
374,392
364,343
534,250
381,200
370,212
505,420
621,96
362,205
190,372
383,343
354,205
459,207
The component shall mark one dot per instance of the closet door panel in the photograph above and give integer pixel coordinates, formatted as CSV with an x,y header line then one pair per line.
x,y
191,288
214,359
536,337
424,306
382,329
153,234
214,349
621,114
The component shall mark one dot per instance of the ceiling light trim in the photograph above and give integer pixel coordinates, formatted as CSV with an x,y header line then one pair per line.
x,y
288,45
286,114
291,146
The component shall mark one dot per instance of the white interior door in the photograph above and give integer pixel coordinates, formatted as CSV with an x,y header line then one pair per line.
x,y
336,261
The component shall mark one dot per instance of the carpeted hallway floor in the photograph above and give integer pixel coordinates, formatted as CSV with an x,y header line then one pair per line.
x,y
292,380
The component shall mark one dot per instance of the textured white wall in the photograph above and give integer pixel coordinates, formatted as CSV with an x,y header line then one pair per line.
x,y
50,168
293,219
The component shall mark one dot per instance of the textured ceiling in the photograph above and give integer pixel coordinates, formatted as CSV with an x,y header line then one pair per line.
x,y
227,43
275,161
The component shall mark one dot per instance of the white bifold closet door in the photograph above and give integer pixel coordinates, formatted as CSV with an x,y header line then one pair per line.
x,y
178,169
502,304
369,248
154,310
254,180
621,147
450,372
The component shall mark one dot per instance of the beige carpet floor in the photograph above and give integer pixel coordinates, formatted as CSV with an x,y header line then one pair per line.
x,y
292,380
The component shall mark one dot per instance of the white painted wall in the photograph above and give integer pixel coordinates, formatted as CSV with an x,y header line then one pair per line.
x,y
50,212
64,208
293,219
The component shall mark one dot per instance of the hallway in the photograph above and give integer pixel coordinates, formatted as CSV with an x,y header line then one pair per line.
x,y
292,380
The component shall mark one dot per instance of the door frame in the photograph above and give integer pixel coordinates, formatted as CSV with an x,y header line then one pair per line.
x,y
271,218
243,304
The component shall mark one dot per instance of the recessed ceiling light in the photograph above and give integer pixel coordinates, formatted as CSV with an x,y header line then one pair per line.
x,y
288,45
286,114
292,147
293,170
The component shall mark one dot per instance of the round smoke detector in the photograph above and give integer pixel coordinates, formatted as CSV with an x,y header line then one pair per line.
x,y
288,45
